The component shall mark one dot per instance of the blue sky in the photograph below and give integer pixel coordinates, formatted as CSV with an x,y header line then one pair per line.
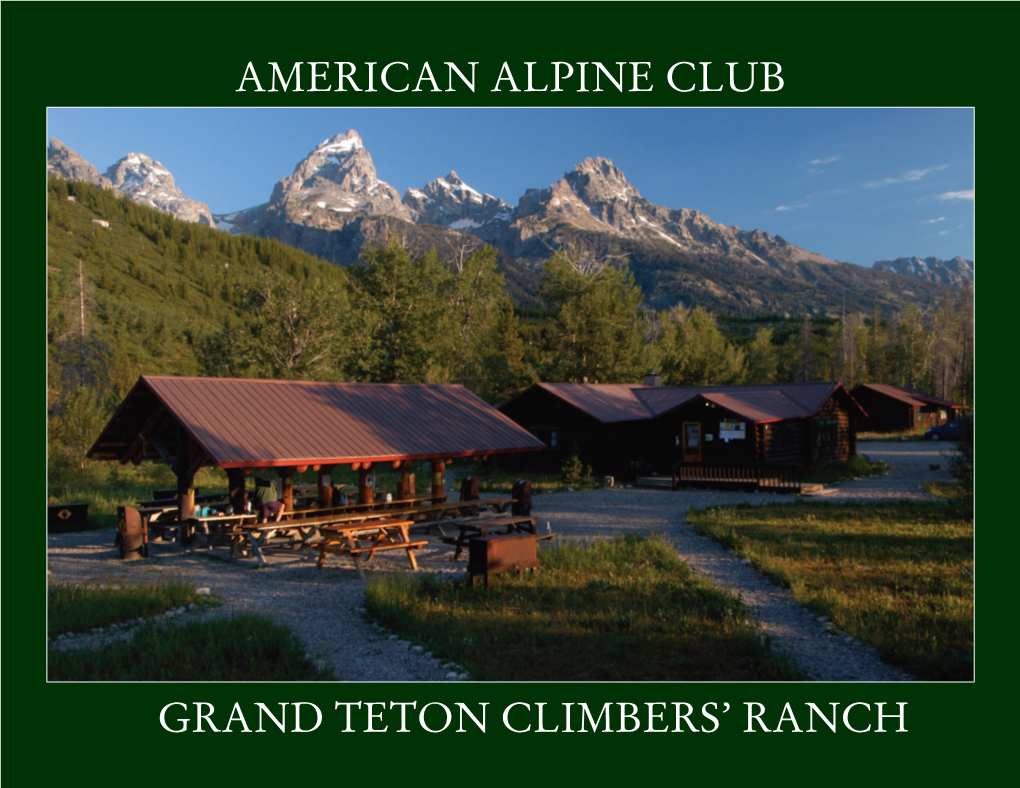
x,y
855,185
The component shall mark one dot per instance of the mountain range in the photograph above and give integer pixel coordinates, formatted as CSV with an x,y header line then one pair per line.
x,y
334,204
950,272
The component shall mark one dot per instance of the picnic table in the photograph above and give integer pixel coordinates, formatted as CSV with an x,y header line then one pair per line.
x,y
430,516
305,531
356,540
481,526
171,503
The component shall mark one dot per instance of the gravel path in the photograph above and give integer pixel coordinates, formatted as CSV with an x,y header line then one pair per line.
x,y
323,607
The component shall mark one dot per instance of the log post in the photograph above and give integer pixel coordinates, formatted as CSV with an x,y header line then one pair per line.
x,y
325,482
287,491
182,467
366,483
235,482
438,469
185,504
405,481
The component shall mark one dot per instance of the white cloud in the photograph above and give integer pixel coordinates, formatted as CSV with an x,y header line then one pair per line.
x,y
967,194
829,160
944,232
791,207
916,175
909,175
932,221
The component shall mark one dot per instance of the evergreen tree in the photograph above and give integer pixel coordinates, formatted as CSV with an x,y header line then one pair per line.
x,y
695,353
77,425
600,328
404,313
295,326
762,358
508,374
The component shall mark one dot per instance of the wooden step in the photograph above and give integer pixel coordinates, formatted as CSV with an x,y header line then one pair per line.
x,y
654,481
816,493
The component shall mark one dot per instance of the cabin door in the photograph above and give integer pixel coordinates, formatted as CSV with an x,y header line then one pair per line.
x,y
692,441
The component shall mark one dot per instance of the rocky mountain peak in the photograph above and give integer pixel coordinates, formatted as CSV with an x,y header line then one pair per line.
x,y
957,271
338,177
62,162
148,182
598,180
450,202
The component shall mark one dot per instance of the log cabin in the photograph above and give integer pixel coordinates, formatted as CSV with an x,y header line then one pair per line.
x,y
627,429
902,408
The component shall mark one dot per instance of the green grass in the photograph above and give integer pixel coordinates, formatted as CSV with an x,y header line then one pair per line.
x,y
950,491
899,577
79,608
857,466
626,610
913,434
241,648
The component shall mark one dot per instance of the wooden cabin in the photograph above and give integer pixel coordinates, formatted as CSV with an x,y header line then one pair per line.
x,y
627,429
902,408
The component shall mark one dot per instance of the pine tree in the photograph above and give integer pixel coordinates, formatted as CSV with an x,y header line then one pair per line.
x,y
695,353
762,358
600,327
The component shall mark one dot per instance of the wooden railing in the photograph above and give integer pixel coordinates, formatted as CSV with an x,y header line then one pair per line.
x,y
769,478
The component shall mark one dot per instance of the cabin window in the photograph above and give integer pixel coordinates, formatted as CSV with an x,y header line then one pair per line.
x,y
826,432
942,415
550,436
784,436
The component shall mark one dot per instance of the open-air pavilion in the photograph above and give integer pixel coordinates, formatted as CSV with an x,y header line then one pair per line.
x,y
246,426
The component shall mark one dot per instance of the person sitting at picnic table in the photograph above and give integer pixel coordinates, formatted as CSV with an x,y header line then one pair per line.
x,y
264,500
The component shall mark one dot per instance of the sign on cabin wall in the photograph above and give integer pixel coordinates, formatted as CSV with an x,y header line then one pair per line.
x,y
732,430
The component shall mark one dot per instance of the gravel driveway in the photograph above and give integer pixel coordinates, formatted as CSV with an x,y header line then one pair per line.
x,y
322,606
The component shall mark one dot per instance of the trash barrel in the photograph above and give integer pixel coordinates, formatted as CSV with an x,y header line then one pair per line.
x,y
134,537
469,489
521,493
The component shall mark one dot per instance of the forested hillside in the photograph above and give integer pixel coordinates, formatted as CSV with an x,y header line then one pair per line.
x,y
139,295
133,291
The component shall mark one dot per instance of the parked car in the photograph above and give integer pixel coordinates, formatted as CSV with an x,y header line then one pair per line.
x,y
950,431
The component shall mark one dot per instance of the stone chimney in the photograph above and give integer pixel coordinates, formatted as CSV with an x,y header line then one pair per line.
x,y
653,380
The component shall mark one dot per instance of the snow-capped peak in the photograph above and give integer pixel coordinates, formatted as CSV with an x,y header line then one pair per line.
x,y
341,143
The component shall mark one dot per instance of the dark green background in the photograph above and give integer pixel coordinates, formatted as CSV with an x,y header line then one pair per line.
x,y
191,54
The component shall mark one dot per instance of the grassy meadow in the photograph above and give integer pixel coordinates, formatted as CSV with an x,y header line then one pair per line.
x,y
899,577
240,648
79,608
626,610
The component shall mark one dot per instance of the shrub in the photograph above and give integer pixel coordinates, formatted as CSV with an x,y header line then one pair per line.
x,y
961,463
576,474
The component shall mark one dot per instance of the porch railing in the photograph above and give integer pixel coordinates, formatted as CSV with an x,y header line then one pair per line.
x,y
768,478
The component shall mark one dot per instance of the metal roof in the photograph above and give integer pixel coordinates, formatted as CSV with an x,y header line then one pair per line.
x,y
912,397
245,423
606,402
609,403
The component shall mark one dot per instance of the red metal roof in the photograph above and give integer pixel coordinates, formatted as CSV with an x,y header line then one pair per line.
x,y
610,403
243,423
606,402
912,397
